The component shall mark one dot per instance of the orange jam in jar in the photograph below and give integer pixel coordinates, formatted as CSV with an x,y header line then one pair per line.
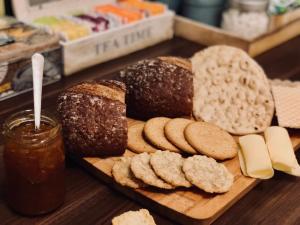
x,y
34,163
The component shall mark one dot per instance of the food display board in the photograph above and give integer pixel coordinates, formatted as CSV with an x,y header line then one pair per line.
x,y
186,206
102,46
222,153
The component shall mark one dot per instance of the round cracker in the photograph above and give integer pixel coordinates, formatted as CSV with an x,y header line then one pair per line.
x,y
231,90
174,131
168,166
154,132
136,141
211,140
140,217
207,174
141,168
123,175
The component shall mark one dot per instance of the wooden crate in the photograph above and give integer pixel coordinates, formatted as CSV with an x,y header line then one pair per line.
x,y
15,59
101,47
282,29
98,47
279,21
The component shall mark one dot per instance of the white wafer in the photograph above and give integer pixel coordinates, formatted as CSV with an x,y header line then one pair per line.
x,y
287,101
284,83
231,90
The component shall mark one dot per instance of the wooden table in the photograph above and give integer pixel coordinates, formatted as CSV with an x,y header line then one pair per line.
x,y
89,201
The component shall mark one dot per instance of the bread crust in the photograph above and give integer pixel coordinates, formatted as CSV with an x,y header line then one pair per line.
x,y
93,124
156,87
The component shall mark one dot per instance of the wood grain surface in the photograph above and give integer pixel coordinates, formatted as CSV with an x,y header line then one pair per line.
x,y
188,205
90,201
283,19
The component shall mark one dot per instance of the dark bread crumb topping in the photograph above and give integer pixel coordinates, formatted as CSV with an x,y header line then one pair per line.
x,y
93,123
107,88
157,87
178,61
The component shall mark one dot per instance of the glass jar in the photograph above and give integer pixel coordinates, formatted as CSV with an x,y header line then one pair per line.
x,y
34,163
246,18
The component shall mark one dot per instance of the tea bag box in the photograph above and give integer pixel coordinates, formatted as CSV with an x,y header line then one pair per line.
x,y
102,46
19,42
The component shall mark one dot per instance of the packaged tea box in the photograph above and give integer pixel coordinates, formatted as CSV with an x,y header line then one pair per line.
x,y
18,42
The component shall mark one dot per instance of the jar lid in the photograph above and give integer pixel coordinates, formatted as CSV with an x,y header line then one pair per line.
x,y
250,5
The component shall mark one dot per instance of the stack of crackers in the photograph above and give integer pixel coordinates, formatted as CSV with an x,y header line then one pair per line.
x,y
183,136
160,142
168,170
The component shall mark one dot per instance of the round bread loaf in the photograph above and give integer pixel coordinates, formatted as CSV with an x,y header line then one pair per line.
x,y
159,87
93,117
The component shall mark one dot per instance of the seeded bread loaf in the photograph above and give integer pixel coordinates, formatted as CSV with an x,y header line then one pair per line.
x,y
159,87
93,117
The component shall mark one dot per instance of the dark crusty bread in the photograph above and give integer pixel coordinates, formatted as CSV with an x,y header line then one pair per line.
x,y
93,117
178,61
159,87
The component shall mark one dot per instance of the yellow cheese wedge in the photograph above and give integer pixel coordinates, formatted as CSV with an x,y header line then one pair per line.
x,y
254,157
281,150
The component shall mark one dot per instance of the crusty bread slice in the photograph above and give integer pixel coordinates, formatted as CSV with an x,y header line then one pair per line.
x,y
111,89
178,61
141,217
93,118
155,88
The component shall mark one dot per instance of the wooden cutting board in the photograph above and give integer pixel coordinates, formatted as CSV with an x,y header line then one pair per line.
x,y
185,206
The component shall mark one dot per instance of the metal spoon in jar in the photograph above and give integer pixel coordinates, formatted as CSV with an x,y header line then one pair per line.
x,y
37,77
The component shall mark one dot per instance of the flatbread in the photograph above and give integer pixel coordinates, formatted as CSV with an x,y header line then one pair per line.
x,y
231,90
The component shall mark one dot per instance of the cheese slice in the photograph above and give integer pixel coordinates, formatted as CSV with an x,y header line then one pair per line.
x,y
254,157
281,150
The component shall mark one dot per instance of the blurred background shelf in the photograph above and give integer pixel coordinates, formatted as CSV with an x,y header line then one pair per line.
x,y
285,27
